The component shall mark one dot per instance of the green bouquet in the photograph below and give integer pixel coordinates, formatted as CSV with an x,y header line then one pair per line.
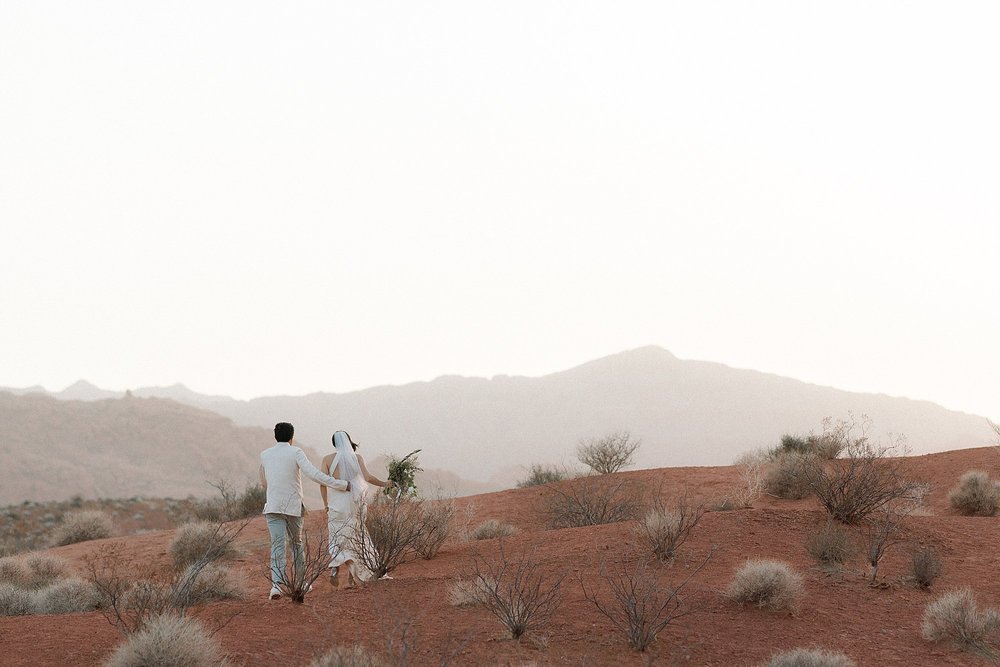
x,y
402,473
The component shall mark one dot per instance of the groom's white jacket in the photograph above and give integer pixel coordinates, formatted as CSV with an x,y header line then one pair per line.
x,y
280,466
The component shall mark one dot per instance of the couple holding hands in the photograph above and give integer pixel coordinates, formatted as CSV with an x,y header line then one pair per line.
x,y
343,480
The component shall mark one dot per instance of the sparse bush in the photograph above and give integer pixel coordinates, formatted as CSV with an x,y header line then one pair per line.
x,y
609,453
727,504
810,657
664,529
539,475
298,578
42,570
766,583
830,545
880,530
788,476
827,445
167,641
13,572
975,495
211,584
65,597
793,443
870,477
956,617
391,531
517,592
132,592
344,656
751,466
926,566
83,527
590,501
491,529
640,608
467,593
15,601
232,505
199,540
435,527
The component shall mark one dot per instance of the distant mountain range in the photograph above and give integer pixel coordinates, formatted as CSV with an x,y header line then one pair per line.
x,y
53,450
685,412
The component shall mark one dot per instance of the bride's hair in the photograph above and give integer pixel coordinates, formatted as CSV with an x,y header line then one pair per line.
x,y
354,445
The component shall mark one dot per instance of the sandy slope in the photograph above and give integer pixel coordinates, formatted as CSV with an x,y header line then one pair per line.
x,y
874,626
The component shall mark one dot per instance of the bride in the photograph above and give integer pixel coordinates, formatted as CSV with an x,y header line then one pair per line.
x,y
342,509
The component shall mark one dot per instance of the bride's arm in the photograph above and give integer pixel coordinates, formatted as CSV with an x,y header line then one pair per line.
x,y
370,478
325,467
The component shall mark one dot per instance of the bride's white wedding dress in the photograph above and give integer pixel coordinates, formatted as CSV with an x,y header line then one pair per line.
x,y
343,520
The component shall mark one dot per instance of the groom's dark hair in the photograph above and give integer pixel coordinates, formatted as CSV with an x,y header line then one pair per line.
x,y
283,432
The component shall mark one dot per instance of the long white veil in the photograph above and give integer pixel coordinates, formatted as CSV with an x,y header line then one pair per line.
x,y
350,469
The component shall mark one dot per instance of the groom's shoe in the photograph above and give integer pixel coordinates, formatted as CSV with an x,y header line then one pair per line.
x,y
275,593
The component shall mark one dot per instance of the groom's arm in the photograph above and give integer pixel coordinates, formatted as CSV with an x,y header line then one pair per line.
x,y
316,475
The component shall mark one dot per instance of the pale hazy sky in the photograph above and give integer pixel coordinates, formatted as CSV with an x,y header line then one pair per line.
x,y
259,198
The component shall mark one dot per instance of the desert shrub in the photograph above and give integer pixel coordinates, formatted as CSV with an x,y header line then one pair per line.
x,y
975,495
15,601
492,529
956,617
43,569
609,453
809,657
793,443
168,640
926,566
540,474
639,607
299,576
249,503
199,540
467,593
830,545
880,530
590,501
436,526
766,583
870,477
664,529
231,504
132,592
13,572
212,583
751,466
788,476
727,504
827,446
65,597
516,590
32,571
392,529
83,527
347,656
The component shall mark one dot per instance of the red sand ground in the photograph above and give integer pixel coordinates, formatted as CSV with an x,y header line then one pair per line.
x,y
875,626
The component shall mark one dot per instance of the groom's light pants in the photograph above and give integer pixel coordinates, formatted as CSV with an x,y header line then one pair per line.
x,y
282,526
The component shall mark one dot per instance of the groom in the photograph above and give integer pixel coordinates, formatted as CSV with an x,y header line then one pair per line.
x,y
280,466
